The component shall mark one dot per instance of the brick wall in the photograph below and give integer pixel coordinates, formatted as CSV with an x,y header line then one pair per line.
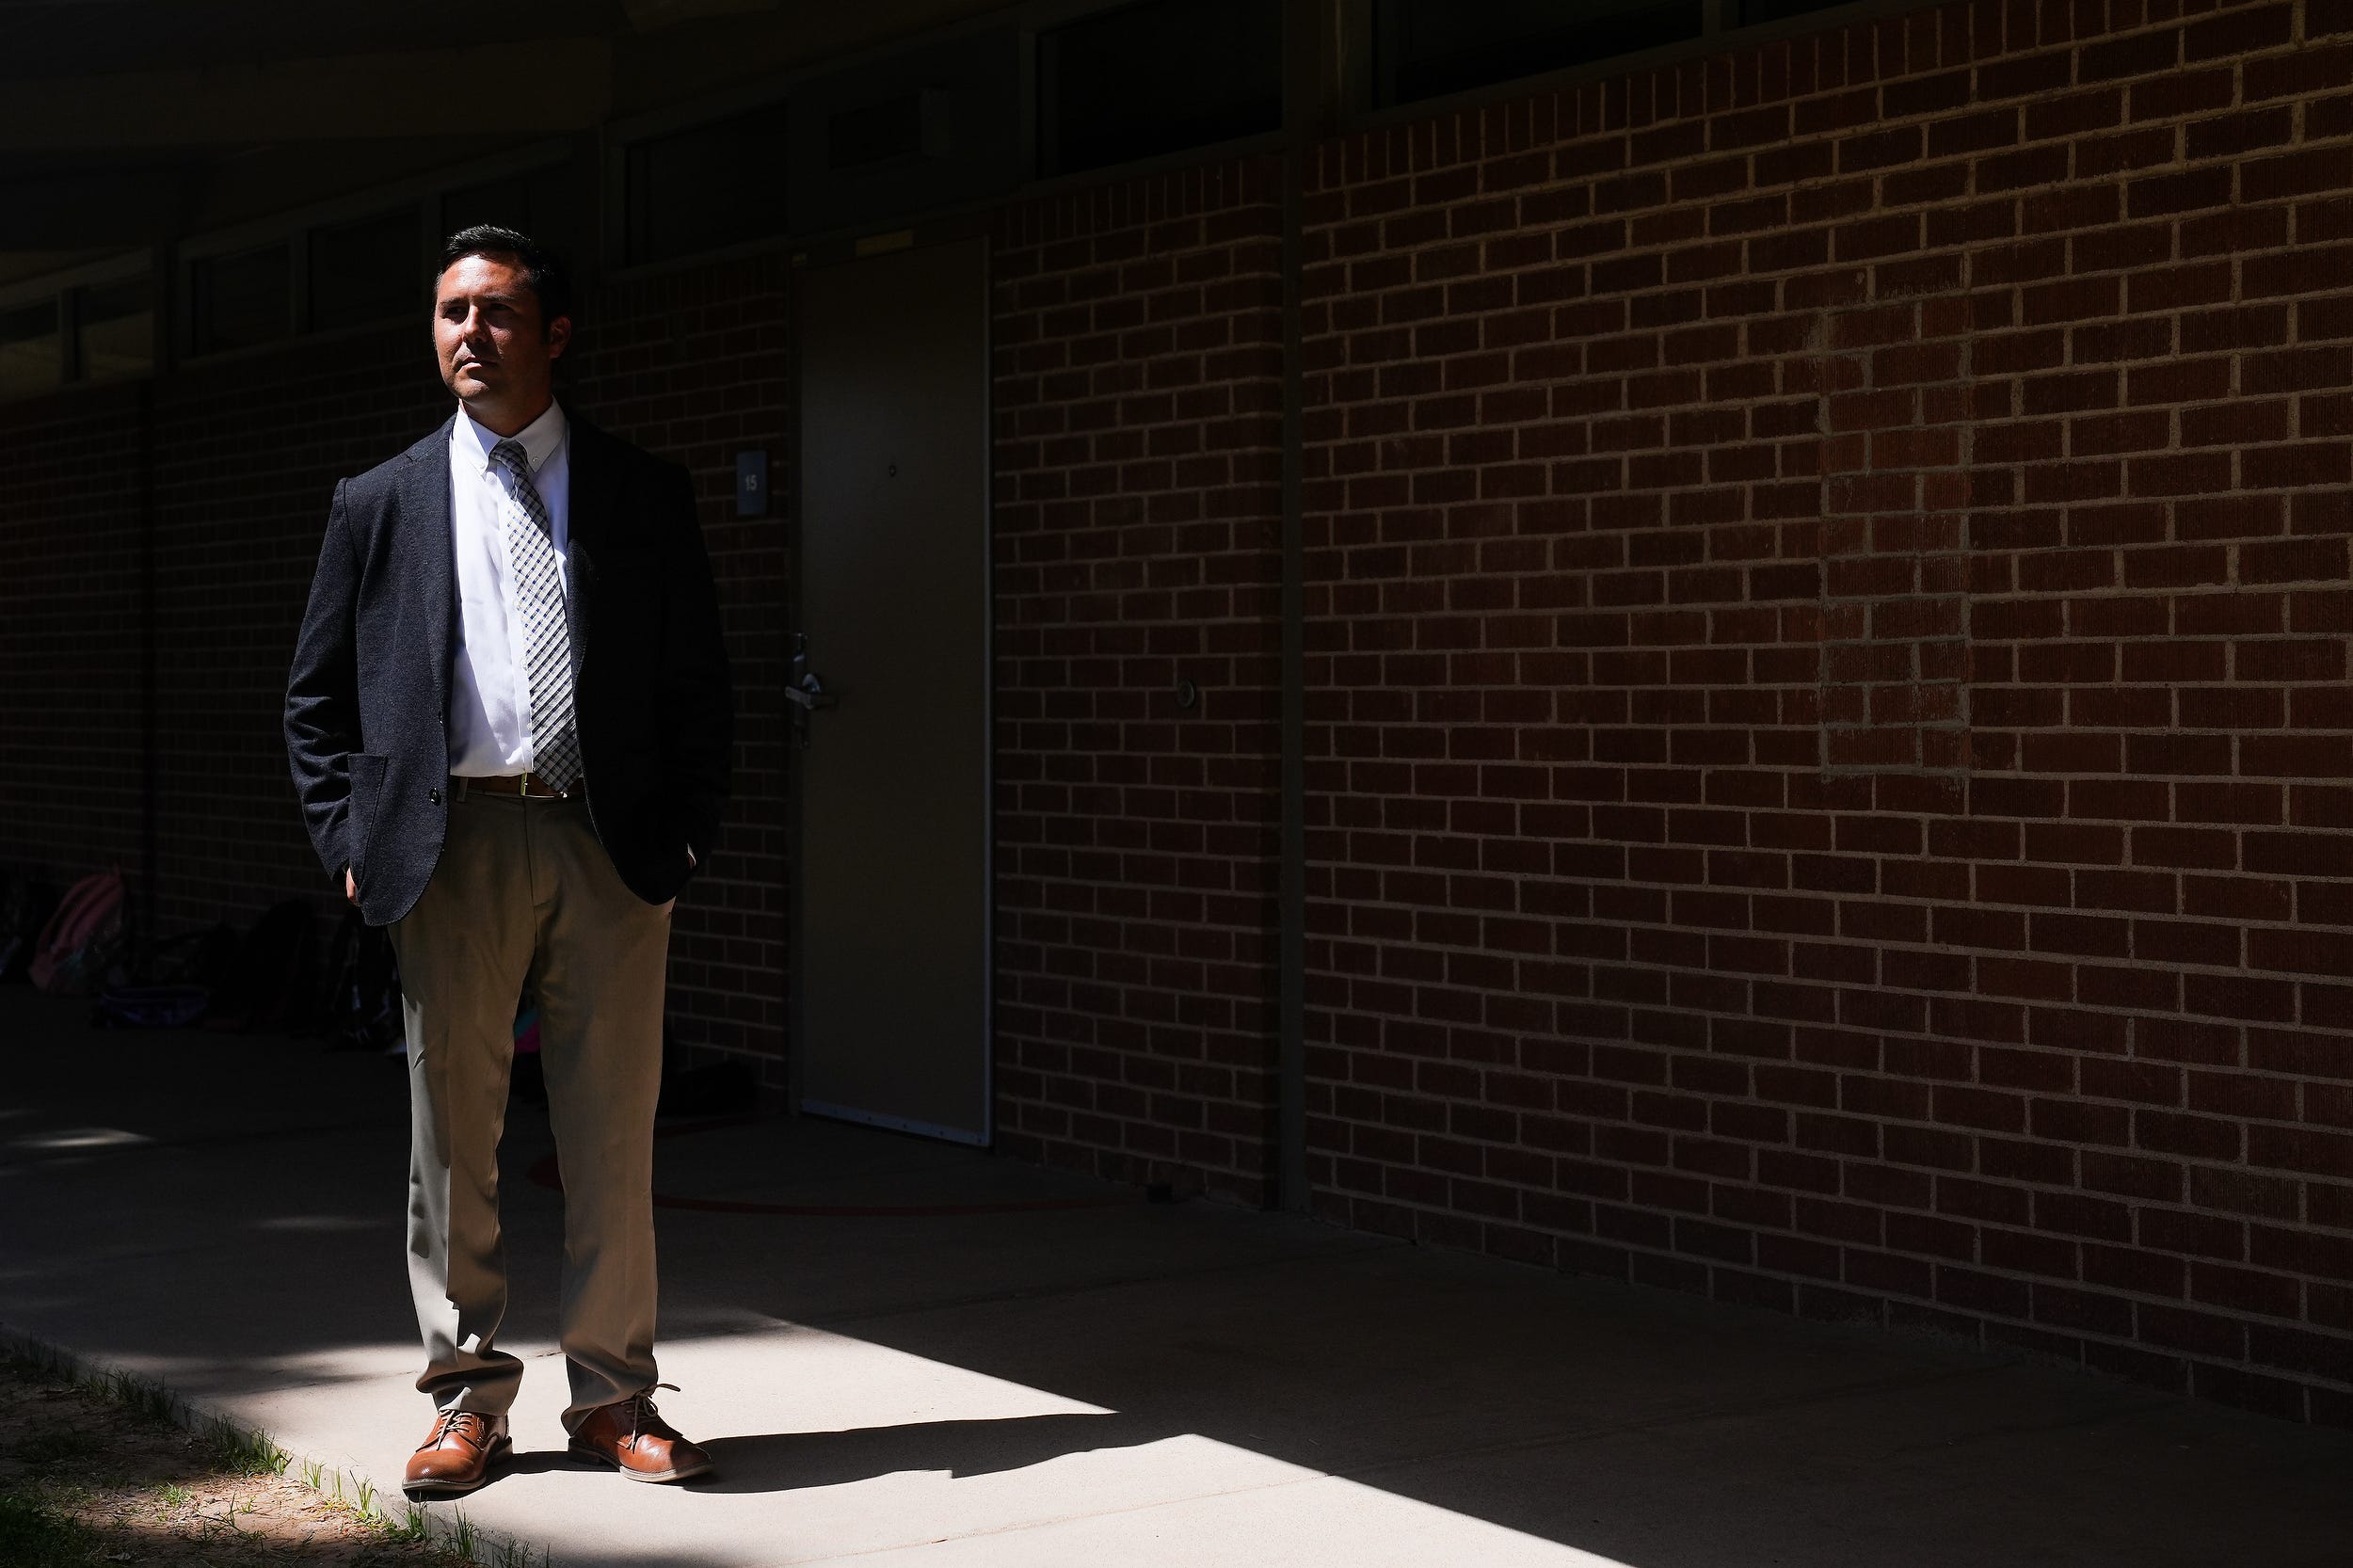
x,y
71,722
247,454
1138,518
1830,775
696,365
1829,734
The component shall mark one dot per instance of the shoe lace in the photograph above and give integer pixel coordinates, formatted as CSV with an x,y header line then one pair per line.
x,y
471,1424
644,1418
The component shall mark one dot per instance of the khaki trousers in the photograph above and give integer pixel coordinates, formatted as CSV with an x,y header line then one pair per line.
x,y
525,897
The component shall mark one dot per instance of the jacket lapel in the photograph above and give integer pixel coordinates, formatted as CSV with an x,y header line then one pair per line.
x,y
591,494
428,550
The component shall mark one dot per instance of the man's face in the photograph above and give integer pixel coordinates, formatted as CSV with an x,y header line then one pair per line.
x,y
495,351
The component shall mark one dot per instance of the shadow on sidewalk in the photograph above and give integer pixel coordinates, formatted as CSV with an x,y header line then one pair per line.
x,y
905,1347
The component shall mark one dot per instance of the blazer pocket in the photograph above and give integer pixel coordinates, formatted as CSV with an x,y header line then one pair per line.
x,y
367,798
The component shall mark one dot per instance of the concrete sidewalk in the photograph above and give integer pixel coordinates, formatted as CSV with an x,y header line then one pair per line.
x,y
904,1353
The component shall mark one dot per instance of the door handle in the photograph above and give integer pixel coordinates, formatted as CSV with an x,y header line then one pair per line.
x,y
804,690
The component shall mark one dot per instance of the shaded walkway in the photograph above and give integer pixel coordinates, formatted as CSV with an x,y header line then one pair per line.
x,y
1057,1374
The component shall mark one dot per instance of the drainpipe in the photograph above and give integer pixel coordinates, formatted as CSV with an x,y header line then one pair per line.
x,y
150,856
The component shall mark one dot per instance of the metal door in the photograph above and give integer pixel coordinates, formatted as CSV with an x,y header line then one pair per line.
x,y
894,966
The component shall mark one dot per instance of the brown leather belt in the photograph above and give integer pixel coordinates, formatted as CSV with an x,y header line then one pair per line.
x,y
514,786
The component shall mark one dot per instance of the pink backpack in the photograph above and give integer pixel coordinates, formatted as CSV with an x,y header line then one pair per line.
x,y
82,939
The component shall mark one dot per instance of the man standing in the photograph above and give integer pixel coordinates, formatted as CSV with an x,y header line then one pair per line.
x,y
510,720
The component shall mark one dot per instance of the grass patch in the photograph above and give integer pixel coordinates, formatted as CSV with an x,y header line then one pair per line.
x,y
33,1535
244,1453
105,1469
56,1451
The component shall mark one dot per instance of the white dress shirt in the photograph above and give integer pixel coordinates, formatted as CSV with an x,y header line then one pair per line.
x,y
489,694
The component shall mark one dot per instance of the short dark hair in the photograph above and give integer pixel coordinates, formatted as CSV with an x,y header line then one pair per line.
x,y
543,270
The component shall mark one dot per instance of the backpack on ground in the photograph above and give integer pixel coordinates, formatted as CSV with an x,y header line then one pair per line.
x,y
200,957
268,983
360,1008
176,980
83,939
26,906
723,1088
149,1006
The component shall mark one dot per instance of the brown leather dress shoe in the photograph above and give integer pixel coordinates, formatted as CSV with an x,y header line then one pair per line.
x,y
632,1434
455,1456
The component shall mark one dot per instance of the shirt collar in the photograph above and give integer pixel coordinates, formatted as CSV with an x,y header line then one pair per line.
x,y
540,438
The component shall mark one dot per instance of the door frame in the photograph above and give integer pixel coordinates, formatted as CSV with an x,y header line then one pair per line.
x,y
850,252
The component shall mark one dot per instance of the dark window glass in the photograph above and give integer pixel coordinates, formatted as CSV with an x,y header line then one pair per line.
x,y
539,202
1748,13
236,300
914,124
29,358
114,328
545,204
506,202
715,185
366,271
1158,78
1426,48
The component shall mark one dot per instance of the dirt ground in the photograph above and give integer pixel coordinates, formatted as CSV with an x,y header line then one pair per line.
x,y
93,1476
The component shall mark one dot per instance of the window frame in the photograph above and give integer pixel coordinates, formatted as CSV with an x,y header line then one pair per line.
x,y
423,217
64,287
621,135
605,147
1359,112
1035,40
423,193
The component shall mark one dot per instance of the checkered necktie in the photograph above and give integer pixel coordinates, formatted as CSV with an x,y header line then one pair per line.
x,y
540,590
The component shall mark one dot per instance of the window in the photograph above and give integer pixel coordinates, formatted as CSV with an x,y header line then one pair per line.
x,y
938,125
370,270
114,327
1156,78
504,202
703,189
239,299
30,356
1427,48
914,124
1748,13
540,202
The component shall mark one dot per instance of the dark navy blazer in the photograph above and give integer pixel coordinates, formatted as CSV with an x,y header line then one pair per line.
x,y
367,700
